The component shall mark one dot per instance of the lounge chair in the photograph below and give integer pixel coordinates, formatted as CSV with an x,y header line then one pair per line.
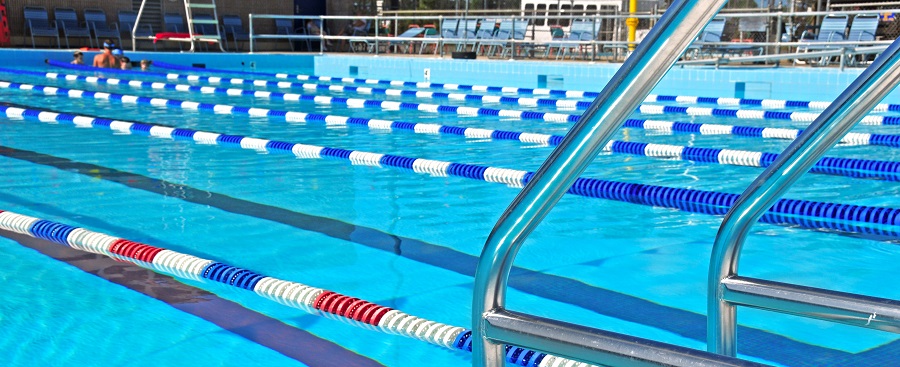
x,y
37,24
234,28
519,28
832,29
466,32
286,27
361,44
862,31
174,23
206,29
127,19
406,39
499,40
96,21
581,31
711,33
67,21
448,30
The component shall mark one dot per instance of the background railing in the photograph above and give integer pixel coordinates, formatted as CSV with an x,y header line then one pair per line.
x,y
774,32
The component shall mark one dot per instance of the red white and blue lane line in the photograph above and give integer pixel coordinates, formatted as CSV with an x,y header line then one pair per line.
x,y
450,109
311,299
721,101
879,221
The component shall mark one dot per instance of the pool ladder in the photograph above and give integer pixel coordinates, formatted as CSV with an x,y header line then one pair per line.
x,y
494,325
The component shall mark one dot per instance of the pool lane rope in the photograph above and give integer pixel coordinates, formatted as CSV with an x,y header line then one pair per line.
x,y
316,301
858,168
877,221
655,125
460,110
531,102
722,101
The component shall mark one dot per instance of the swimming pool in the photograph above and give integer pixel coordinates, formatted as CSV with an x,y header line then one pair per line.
x,y
390,236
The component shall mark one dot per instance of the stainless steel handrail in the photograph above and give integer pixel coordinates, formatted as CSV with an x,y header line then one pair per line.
x,y
665,43
726,290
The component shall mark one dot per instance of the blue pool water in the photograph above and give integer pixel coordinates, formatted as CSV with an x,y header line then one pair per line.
x,y
392,237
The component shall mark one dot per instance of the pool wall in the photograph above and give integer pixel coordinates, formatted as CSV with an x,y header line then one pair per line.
x,y
746,82
739,82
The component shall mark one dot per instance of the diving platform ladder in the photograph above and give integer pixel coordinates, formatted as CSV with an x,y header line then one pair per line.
x,y
192,37
495,326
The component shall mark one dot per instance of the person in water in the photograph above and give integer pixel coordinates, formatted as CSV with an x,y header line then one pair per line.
x,y
77,58
106,58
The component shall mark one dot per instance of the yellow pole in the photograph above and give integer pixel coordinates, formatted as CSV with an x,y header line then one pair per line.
x,y
632,24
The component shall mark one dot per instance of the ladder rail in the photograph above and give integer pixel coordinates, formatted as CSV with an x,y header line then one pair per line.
x,y
653,57
189,17
218,29
873,84
137,21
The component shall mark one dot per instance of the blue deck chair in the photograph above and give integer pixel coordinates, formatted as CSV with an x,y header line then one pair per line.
x,y
96,21
127,19
711,33
67,22
448,30
486,31
582,30
286,27
832,29
206,29
557,34
234,28
466,32
863,28
519,29
37,24
862,31
174,23
501,37
406,38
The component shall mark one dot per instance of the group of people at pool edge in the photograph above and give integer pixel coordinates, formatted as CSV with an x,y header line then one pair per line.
x,y
111,57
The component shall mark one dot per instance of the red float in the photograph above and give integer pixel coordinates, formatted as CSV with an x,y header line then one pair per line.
x,y
4,26
134,250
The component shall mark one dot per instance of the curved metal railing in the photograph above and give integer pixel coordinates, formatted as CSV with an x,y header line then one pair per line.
x,y
727,290
493,324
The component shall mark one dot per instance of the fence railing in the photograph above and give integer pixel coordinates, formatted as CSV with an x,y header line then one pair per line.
x,y
773,33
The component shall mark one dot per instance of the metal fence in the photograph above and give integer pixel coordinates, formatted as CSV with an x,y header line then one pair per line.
x,y
770,32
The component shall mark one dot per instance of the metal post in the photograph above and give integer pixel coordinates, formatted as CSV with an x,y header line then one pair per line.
x,y
441,38
134,27
321,35
832,124
778,31
377,28
251,32
594,33
629,86
513,39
